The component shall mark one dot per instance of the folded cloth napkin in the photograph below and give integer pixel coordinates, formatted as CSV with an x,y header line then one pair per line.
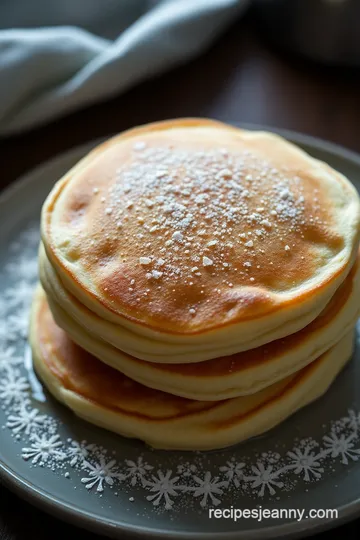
x,y
71,53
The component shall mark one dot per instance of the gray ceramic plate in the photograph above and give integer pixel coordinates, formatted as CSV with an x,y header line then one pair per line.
x,y
113,485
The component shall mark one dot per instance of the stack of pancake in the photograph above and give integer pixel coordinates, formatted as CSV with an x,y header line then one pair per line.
x,y
199,283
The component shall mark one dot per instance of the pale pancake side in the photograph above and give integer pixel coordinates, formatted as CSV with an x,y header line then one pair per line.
x,y
108,399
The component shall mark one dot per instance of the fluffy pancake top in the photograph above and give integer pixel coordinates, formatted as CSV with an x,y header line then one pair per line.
x,y
186,226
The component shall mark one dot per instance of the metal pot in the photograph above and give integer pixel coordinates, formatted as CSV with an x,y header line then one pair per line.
x,y
326,31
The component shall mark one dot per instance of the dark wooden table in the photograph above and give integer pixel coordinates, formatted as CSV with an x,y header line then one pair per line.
x,y
241,79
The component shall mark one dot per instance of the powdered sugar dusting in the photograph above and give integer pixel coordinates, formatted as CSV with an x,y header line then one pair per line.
x,y
195,202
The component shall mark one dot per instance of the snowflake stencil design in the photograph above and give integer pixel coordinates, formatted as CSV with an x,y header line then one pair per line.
x,y
100,473
5,333
24,268
163,487
13,387
19,323
186,469
20,295
233,471
78,452
208,488
26,420
353,420
43,448
339,445
136,471
305,462
9,358
264,478
3,307
28,238
9,334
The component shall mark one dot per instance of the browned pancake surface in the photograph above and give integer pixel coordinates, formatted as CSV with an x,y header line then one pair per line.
x,y
187,226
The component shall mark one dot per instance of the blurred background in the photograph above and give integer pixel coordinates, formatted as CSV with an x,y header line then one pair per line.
x,y
75,70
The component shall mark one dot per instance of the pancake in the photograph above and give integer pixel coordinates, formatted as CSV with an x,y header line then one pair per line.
x,y
142,347
109,399
238,374
200,235
84,322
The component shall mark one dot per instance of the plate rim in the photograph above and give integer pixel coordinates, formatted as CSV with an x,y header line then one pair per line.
x,y
86,520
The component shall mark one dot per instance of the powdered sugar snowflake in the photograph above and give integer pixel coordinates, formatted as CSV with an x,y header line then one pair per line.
x,y
43,448
353,420
19,323
78,452
264,478
13,387
24,268
9,358
26,420
10,335
163,487
5,333
136,471
3,307
28,239
100,473
234,471
207,488
19,296
186,469
305,462
339,445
